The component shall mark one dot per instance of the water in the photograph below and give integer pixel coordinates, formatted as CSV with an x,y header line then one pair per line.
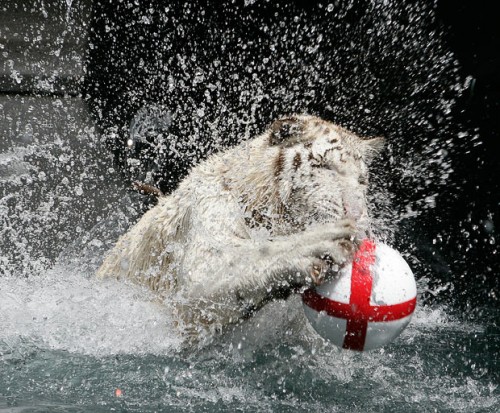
x,y
71,343
68,343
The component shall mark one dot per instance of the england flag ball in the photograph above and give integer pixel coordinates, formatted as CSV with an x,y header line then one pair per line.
x,y
368,303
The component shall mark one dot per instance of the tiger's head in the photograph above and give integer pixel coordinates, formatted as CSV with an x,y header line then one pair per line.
x,y
321,170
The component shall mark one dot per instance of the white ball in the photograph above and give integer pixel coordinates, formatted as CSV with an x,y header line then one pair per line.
x,y
368,303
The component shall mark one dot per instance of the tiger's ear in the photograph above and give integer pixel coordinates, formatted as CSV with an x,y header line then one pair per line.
x,y
284,129
373,147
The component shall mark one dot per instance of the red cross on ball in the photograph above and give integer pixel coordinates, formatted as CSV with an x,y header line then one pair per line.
x,y
368,303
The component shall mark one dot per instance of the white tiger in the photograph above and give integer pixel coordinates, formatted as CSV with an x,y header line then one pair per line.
x,y
251,223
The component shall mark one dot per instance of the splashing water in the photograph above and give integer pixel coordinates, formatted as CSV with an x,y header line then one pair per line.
x,y
70,341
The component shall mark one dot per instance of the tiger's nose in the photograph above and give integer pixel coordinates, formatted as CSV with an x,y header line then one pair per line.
x,y
354,206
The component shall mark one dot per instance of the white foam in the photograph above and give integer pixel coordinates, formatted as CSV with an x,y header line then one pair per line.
x,y
69,311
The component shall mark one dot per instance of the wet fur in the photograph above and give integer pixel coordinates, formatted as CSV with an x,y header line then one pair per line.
x,y
252,223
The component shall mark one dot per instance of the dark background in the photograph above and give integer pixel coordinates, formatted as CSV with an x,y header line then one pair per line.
x,y
375,72
474,37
